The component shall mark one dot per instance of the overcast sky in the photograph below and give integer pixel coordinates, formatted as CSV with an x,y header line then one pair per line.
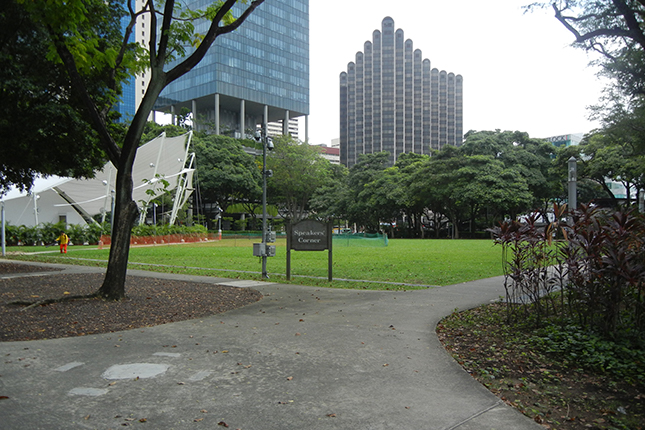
x,y
519,70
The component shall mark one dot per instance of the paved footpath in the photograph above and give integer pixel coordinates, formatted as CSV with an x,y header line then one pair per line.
x,y
300,358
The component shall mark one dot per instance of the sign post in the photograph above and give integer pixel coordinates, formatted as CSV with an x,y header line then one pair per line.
x,y
309,235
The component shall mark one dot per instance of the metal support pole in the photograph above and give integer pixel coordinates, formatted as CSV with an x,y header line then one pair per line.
x,y
3,231
573,178
219,222
264,199
112,192
36,197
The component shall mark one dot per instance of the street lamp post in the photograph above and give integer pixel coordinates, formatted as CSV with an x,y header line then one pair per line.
x,y
263,251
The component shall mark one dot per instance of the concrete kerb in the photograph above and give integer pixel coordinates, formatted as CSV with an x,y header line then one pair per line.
x,y
302,357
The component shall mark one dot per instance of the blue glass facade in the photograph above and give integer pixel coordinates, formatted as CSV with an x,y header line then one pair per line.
x,y
265,62
127,105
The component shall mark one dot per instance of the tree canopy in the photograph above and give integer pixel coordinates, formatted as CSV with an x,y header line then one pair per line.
x,y
84,39
298,171
227,174
43,129
615,29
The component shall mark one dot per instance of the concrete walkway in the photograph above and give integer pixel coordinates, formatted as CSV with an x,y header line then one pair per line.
x,y
301,358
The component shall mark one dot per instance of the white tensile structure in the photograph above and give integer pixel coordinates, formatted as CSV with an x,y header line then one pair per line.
x,y
76,201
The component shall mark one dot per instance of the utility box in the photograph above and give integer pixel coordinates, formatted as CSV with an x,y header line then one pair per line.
x,y
259,249
263,250
270,236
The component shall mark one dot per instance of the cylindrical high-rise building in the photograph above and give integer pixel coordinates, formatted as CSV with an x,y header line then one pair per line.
x,y
392,100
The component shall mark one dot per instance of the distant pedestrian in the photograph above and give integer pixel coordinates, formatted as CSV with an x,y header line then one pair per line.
x,y
63,240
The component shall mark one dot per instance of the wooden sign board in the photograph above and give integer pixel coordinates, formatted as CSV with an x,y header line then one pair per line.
x,y
309,235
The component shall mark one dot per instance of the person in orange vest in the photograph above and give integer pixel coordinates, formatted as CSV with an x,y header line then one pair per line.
x,y
63,240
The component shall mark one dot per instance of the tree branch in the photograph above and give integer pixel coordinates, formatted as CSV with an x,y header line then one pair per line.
x,y
153,34
128,31
632,23
162,52
213,32
581,38
78,86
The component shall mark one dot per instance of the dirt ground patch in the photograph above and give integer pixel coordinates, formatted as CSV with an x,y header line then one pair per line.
x,y
149,302
537,384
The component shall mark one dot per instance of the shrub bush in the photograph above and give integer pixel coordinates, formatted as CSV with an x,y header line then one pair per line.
x,y
597,271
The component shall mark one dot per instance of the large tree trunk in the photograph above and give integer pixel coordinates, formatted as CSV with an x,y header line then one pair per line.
x,y
125,214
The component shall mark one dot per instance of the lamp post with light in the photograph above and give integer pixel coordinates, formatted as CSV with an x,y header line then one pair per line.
x,y
262,249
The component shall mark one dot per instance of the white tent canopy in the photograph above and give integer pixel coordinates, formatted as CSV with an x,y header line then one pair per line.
x,y
57,199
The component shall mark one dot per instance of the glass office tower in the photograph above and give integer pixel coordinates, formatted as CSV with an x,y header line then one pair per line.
x,y
258,73
392,100
127,104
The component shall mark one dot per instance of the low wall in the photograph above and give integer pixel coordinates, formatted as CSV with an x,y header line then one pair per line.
x,y
106,239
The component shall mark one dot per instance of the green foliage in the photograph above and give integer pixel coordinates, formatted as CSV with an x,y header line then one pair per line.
x,y
612,29
581,348
166,230
48,232
560,375
368,169
94,231
329,200
182,29
492,176
597,271
89,233
85,37
78,234
611,154
226,173
41,120
27,235
298,172
153,130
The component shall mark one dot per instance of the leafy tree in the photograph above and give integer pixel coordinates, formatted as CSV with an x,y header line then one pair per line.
x,y
532,158
409,202
42,128
226,173
298,171
329,201
433,183
588,189
613,28
81,35
367,170
461,187
382,197
485,183
153,130
604,156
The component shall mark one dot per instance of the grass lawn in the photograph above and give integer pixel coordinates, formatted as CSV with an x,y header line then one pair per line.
x,y
415,263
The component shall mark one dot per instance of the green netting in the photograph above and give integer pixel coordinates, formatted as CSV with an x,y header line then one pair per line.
x,y
242,235
360,239
356,239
